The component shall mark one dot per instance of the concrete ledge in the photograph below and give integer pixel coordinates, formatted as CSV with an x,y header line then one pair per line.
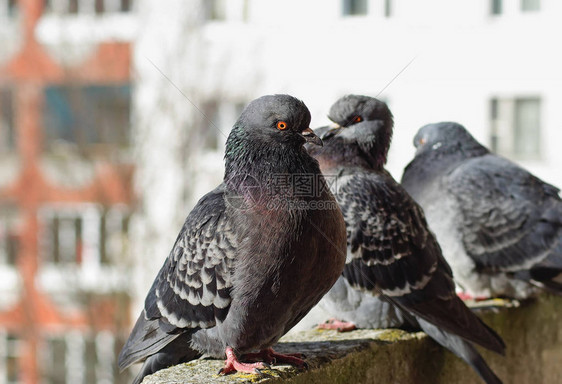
x,y
532,332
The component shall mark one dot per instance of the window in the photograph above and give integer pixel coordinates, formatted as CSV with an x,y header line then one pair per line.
x,y
126,5
114,230
54,364
8,235
494,139
496,7
10,352
210,131
527,132
74,7
89,117
99,7
354,7
73,235
218,118
530,5
387,8
516,127
7,129
76,357
8,8
215,9
221,10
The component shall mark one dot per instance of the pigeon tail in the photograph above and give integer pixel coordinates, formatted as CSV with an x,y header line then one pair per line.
x,y
146,338
546,274
158,349
454,317
461,348
552,284
176,352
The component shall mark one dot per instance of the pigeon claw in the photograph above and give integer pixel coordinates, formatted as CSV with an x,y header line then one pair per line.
x,y
232,364
270,356
340,326
295,359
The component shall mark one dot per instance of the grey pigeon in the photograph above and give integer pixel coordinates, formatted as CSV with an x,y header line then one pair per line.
x,y
395,274
500,227
253,256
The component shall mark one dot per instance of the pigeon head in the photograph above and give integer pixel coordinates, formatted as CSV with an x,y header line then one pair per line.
x,y
271,129
444,136
362,131
280,119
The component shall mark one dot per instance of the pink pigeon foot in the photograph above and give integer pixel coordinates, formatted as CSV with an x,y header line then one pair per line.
x,y
467,296
340,326
232,364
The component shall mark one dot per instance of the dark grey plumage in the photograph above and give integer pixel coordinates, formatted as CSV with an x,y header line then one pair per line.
x,y
394,263
251,259
500,227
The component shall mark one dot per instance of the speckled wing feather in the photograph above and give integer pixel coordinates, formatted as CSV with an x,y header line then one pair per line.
x,y
385,235
510,219
392,253
192,290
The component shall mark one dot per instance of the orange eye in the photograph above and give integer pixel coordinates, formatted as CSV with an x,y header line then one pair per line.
x,y
357,119
281,125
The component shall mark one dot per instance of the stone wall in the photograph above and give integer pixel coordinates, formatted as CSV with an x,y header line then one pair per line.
x,y
531,331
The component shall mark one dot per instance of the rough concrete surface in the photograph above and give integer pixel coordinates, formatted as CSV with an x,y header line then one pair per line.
x,y
531,331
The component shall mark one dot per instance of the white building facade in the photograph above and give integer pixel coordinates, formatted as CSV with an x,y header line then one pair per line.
x,y
490,65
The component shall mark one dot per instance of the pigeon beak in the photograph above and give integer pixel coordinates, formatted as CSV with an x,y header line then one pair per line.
x,y
331,130
311,137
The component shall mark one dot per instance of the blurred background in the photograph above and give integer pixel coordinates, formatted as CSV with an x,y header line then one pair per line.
x,y
114,115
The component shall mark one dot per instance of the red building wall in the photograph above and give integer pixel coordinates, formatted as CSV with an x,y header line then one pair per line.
x,y
27,73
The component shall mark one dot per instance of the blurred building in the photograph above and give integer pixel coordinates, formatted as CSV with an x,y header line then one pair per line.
x,y
491,65
65,189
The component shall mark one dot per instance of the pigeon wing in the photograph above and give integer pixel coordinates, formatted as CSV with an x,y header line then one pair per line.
x,y
192,289
510,220
386,231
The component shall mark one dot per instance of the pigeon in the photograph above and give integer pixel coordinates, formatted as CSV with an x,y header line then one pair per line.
x,y
395,274
253,256
500,227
